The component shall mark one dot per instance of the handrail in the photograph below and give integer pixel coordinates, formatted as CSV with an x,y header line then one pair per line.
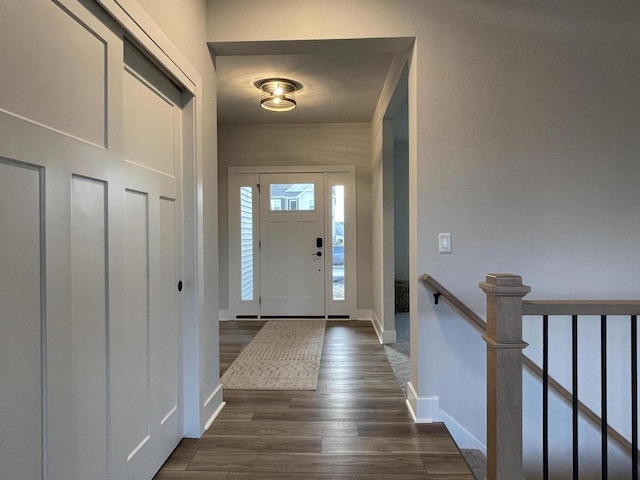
x,y
455,301
580,307
550,307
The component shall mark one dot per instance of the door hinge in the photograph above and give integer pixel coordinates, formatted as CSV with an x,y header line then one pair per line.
x,y
259,300
259,243
258,185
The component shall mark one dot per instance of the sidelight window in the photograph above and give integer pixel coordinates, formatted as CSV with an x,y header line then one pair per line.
x,y
246,242
337,241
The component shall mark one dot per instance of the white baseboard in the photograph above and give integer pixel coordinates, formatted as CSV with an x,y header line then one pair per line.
x,y
389,336
375,321
385,336
422,410
215,392
213,402
210,408
361,314
214,416
461,435
427,410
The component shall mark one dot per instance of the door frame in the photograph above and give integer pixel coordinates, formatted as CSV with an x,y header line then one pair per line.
x,y
249,177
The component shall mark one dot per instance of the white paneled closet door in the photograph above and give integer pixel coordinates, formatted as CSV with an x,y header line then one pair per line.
x,y
90,248
145,339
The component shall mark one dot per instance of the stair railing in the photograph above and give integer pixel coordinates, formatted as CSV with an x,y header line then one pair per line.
x,y
505,309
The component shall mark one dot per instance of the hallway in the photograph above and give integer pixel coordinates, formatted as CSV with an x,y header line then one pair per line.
x,y
356,424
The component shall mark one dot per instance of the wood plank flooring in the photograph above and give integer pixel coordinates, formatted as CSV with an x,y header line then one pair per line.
x,y
354,426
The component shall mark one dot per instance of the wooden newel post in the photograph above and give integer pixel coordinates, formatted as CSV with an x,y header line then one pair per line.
x,y
504,375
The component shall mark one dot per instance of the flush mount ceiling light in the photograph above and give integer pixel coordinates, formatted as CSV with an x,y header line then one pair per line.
x,y
278,94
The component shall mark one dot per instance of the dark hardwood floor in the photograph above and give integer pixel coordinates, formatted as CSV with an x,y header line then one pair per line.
x,y
355,426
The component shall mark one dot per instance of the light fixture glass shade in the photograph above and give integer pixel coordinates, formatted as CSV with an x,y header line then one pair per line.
x,y
278,95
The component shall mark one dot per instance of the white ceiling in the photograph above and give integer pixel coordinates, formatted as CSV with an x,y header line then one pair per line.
x,y
341,80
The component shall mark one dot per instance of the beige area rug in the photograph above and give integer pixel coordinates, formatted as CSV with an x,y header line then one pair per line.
x,y
285,355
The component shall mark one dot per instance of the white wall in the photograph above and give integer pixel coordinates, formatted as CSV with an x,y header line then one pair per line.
x,y
285,145
523,144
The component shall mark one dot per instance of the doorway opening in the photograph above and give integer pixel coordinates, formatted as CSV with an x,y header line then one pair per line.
x,y
397,159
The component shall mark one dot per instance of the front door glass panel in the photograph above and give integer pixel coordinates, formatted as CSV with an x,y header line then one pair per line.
x,y
291,197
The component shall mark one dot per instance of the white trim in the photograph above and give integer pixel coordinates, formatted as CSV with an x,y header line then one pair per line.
x,y
427,410
213,394
376,325
133,19
294,169
389,336
365,314
385,336
461,435
193,254
422,410
213,403
214,416
252,318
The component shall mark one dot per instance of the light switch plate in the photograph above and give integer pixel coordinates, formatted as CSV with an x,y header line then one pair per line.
x,y
444,243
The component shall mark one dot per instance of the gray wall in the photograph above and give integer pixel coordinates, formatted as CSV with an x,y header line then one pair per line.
x,y
524,144
285,145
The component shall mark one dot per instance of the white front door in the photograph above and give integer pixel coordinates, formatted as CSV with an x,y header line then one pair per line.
x,y
293,246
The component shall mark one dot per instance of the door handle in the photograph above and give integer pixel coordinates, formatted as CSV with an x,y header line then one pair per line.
x,y
319,254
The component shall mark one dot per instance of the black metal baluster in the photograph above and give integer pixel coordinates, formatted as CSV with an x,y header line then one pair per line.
x,y
603,395
545,397
634,396
574,367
